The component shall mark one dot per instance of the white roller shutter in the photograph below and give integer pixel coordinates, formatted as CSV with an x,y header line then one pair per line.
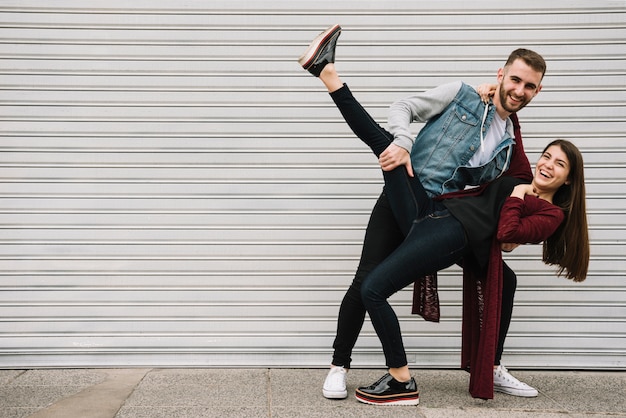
x,y
176,191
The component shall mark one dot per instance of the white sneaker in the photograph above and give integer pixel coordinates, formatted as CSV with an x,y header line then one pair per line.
x,y
504,382
335,384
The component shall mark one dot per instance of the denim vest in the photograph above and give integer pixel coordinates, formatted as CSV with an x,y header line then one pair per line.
x,y
446,143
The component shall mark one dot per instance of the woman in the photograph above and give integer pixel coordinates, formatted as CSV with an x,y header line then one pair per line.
x,y
440,234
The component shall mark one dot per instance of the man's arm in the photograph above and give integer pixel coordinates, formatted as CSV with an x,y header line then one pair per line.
x,y
418,108
395,156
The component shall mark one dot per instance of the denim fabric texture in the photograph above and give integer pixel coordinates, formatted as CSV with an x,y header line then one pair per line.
x,y
444,146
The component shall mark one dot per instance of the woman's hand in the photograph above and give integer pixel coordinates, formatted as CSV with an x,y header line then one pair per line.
x,y
486,91
522,190
507,247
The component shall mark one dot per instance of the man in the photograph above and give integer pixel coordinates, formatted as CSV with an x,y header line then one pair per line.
x,y
463,145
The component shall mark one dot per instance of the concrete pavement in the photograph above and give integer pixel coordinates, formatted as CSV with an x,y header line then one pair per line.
x,y
198,393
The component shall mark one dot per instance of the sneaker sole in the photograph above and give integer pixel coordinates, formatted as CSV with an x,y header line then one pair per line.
x,y
335,395
308,58
408,399
516,392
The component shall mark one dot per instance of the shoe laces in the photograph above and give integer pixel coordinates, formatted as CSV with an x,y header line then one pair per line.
x,y
504,374
337,375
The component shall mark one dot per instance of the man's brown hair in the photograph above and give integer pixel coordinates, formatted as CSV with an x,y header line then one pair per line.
x,y
531,58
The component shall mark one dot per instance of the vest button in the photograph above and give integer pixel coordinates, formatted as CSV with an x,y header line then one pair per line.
x,y
463,117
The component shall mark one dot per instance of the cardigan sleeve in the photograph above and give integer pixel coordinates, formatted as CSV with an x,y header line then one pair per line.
x,y
531,220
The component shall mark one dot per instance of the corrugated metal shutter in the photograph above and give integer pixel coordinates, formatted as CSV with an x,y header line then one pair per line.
x,y
175,190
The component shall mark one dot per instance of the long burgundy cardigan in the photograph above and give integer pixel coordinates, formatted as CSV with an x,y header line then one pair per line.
x,y
482,297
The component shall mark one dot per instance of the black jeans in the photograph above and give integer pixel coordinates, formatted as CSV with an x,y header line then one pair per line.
x,y
383,236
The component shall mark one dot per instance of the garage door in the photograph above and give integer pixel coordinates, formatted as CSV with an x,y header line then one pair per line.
x,y
176,191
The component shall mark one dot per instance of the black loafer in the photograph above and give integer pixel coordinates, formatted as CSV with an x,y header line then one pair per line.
x,y
321,51
388,391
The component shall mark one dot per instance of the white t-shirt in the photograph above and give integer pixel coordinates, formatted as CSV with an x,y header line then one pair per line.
x,y
490,141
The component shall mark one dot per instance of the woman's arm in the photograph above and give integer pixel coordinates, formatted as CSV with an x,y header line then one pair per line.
x,y
528,220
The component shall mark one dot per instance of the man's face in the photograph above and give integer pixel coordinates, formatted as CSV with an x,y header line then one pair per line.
x,y
518,84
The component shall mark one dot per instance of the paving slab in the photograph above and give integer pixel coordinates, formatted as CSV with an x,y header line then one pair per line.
x,y
100,398
281,393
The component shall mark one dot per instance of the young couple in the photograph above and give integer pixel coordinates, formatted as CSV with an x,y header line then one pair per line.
x,y
458,193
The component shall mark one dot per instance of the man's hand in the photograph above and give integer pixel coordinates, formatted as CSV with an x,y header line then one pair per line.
x,y
508,247
486,91
395,156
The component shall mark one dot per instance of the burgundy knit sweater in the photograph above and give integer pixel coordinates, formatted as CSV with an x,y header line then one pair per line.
x,y
482,296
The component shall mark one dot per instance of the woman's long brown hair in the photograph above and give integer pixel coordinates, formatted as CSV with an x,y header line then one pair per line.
x,y
568,247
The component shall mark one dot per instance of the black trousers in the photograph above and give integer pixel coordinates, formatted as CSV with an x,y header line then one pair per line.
x,y
383,235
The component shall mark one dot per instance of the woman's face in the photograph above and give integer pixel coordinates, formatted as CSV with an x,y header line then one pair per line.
x,y
552,169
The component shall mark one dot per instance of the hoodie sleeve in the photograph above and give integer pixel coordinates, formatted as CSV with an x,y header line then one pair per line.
x,y
418,108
